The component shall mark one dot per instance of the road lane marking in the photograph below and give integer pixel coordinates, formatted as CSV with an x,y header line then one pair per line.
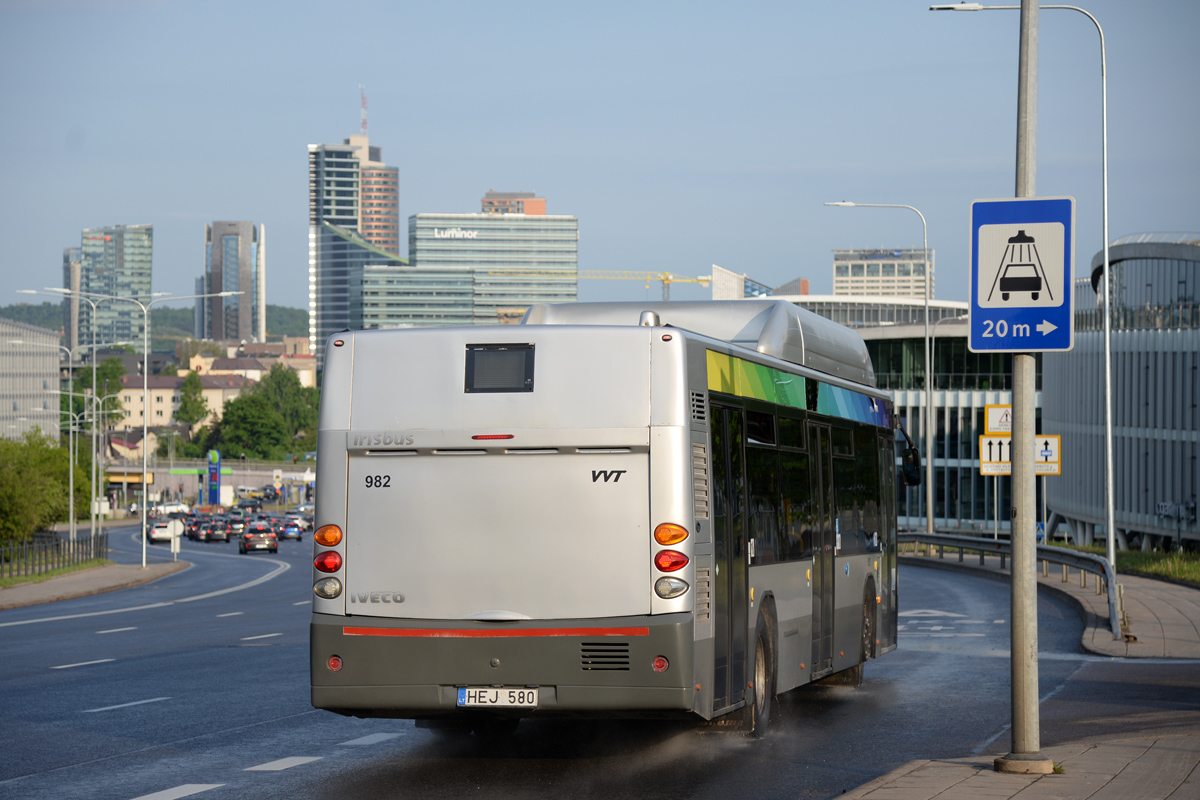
x,y
231,614
283,763
374,738
280,567
261,636
118,630
125,705
83,663
302,603
186,790
928,612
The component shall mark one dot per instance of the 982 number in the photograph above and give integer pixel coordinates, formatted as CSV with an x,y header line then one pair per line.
x,y
379,481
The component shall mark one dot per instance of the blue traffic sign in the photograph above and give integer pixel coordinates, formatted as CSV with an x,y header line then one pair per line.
x,y
1022,263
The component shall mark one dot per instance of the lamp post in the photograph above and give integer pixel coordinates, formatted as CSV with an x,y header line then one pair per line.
x,y
928,355
1109,499
145,307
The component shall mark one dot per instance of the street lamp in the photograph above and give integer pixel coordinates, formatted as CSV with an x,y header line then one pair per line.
x,y
145,307
1109,500
928,357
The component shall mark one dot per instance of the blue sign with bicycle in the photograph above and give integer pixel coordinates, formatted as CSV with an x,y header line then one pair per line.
x,y
1022,263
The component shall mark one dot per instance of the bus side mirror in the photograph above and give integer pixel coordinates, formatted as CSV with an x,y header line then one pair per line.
x,y
910,463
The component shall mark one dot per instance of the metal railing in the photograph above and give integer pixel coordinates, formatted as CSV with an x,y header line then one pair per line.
x,y
46,554
1047,554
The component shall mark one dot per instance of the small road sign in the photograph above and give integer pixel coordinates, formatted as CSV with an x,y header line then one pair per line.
x,y
995,455
998,419
1022,264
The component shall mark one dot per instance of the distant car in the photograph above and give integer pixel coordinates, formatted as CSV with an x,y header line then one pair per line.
x,y
258,536
160,532
291,530
215,530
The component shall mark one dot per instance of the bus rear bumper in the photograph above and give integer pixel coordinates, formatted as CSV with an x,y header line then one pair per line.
x,y
407,669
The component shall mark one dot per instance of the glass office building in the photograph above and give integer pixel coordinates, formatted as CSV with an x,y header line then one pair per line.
x,y
115,261
516,260
392,296
882,272
235,261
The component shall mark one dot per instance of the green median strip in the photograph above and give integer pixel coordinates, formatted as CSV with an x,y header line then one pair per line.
x,y
18,580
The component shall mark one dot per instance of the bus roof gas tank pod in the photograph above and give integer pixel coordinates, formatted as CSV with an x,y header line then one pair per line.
x,y
772,327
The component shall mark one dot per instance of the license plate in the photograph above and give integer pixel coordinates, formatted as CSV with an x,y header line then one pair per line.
x,y
497,698
260,546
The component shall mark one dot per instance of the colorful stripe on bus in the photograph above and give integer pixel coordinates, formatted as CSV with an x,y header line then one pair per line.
x,y
736,376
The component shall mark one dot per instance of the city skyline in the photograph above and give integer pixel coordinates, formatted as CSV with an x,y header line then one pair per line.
x,y
733,155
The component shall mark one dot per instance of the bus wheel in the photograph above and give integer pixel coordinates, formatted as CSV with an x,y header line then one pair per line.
x,y
868,624
764,676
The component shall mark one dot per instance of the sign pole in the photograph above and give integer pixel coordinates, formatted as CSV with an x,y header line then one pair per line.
x,y
1025,756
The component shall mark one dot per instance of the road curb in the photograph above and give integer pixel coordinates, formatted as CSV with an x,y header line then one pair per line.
x,y
84,583
883,780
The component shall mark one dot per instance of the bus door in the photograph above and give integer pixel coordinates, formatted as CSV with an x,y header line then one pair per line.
x,y
821,484
886,628
729,590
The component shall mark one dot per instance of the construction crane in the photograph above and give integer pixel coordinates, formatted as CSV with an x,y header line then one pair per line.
x,y
666,278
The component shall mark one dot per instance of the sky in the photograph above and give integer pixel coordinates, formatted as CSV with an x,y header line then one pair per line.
x,y
680,134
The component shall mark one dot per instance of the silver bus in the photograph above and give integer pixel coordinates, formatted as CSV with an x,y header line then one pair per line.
x,y
611,509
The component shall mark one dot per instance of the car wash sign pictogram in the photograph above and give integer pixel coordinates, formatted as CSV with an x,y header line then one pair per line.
x,y
1022,262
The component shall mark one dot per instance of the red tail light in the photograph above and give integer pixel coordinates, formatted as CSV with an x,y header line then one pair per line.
x,y
660,664
329,561
670,560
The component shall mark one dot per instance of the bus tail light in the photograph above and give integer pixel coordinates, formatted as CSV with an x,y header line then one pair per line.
x,y
328,536
669,533
670,560
660,664
666,588
329,561
335,663
327,588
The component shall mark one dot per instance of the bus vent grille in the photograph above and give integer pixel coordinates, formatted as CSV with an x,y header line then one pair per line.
x,y
699,412
605,656
700,480
703,595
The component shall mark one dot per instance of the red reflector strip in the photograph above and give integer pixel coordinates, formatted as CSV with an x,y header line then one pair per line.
x,y
493,436
502,633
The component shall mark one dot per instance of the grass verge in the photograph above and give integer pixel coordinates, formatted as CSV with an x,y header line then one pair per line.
x,y
7,583
1180,567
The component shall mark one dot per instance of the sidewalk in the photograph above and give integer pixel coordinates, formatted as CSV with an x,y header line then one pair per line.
x,y
85,582
1162,624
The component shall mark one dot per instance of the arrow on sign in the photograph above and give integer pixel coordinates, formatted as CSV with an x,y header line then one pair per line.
x,y
1046,326
1046,451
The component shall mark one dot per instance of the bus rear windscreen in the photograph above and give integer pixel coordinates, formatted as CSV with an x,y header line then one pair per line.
x,y
499,368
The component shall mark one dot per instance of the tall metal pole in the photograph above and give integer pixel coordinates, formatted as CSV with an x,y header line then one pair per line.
x,y
1025,755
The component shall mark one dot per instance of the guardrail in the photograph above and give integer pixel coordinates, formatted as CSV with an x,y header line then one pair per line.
x,y
46,554
1047,554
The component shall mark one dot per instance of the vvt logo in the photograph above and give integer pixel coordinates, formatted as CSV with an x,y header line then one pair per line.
x,y
608,474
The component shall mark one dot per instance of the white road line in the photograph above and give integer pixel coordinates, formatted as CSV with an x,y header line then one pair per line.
x,y
302,603
231,614
125,705
118,630
374,738
262,636
83,663
186,790
280,567
283,763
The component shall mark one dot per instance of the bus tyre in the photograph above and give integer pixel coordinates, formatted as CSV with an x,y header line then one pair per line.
x,y
764,674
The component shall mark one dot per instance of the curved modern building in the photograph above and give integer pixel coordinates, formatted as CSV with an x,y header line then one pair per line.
x,y
1155,281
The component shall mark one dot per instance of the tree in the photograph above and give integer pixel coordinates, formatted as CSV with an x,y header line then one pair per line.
x,y
33,485
192,405
253,426
298,404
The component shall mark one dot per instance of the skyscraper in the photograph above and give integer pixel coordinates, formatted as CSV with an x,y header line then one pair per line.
x,y
353,220
887,273
235,261
72,275
115,261
519,254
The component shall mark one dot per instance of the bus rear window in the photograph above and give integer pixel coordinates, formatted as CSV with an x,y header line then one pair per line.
x,y
499,368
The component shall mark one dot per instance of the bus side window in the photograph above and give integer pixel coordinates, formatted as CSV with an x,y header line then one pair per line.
x,y
762,489
791,433
798,515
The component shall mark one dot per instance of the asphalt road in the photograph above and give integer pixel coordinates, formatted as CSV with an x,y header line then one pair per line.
x,y
197,685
